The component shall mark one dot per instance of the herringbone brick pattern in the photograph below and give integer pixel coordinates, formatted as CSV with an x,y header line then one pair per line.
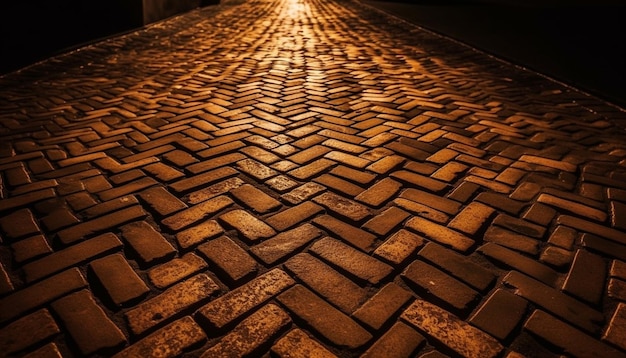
x,y
306,178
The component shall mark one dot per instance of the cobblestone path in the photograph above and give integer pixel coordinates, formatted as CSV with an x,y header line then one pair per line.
x,y
306,178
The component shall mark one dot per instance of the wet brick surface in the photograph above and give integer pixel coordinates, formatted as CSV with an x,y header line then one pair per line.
x,y
306,178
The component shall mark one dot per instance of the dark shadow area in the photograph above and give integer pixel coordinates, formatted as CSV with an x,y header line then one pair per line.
x,y
580,43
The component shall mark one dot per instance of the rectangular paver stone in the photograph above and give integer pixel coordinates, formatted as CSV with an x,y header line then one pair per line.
x,y
500,314
197,212
108,222
249,226
27,331
441,234
283,244
149,245
120,281
297,344
229,258
175,270
400,341
382,306
454,333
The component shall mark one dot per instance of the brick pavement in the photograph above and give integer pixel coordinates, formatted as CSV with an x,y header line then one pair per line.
x,y
298,178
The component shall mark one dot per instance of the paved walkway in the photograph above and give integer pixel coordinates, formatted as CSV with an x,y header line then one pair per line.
x,y
306,178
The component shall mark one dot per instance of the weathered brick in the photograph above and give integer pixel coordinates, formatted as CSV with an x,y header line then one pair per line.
x,y
556,302
472,218
219,188
196,213
100,224
297,344
357,176
443,287
162,201
351,260
564,237
571,340
512,240
232,305
556,257
272,250
303,192
31,248
556,164
441,234
71,256
328,321
500,314
382,306
307,155
197,234
574,207
386,221
27,331
229,258
256,169
50,350
19,224
255,199
252,333
400,341
586,277
422,210
119,280
592,228
109,206
126,189
149,245
539,214
379,193
201,180
293,216
281,183
616,289
341,206
91,329
326,282
59,218
15,202
520,262
339,185
169,341
501,202
175,270
419,180
40,293
397,248
458,266
250,227
435,201
172,302
311,169
616,330
448,329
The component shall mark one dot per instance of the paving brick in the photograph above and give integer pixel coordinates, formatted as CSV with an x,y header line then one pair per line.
x,y
458,266
169,341
229,258
540,214
196,213
386,221
574,207
558,303
255,169
339,185
500,314
255,199
215,163
162,201
351,260
251,334
357,176
616,330
50,350
586,277
173,302
303,192
147,243
331,323
571,340
214,190
441,286
437,202
441,234
520,262
564,237
119,279
175,270
398,342
592,228
512,240
30,248
309,154
250,227
616,289
280,246
293,216
225,309
606,247
201,180
419,180
398,247
452,332
499,201
472,218
326,282
40,293
71,256
15,202
422,210
197,234
126,189
108,207
27,331
308,171
343,207
379,193
382,306
100,224
297,344
18,224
